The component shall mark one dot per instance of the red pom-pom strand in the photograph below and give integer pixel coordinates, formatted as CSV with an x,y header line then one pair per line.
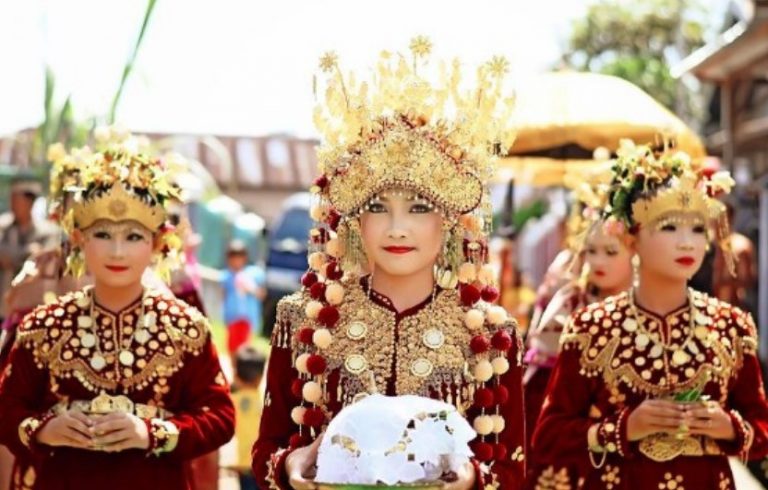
x,y
308,279
501,340
469,295
479,344
501,394
484,398
489,294
333,271
317,291
483,451
334,218
296,387
321,182
316,364
328,316
314,417
305,335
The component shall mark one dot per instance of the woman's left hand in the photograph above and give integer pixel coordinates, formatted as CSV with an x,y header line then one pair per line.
x,y
465,479
709,419
119,431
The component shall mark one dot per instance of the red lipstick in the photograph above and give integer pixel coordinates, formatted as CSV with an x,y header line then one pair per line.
x,y
399,250
686,261
117,268
600,273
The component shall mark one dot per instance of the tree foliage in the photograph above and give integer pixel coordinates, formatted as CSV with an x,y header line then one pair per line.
x,y
638,41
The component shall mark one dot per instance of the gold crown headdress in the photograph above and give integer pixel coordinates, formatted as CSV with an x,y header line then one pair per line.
x,y
412,128
118,183
649,184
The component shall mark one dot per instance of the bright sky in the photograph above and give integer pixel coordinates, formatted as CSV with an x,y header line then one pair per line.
x,y
243,66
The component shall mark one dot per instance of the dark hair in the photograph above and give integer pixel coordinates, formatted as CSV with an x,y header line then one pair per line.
x,y
249,364
622,198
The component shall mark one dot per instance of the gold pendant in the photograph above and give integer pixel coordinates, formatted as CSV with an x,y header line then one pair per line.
x,y
356,330
433,338
421,367
98,362
355,363
126,358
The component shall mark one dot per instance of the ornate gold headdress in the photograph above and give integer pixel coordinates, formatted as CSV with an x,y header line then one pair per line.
x,y
412,128
649,184
116,183
590,194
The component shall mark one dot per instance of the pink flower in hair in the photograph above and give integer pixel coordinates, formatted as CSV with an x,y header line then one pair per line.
x,y
614,227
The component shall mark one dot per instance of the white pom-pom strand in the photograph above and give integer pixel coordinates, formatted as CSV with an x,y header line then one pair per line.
x,y
317,261
334,294
497,315
334,248
297,415
312,392
474,319
498,424
483,371
483,424
487,275
301,363
322,338
500,365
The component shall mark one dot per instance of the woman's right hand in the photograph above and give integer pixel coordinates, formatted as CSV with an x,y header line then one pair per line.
x,y
654,416
70,428
300,465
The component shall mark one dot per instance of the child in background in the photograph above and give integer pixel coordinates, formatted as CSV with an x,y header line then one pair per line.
x,y
249,401
243,295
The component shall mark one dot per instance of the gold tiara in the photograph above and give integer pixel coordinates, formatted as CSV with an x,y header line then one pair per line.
x,y
117,204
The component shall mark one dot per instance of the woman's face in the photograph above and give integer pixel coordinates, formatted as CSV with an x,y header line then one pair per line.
x,y
610,261
117,254
674,246
401,234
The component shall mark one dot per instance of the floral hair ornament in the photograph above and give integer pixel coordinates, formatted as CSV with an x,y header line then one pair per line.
x,y
650,183
120,181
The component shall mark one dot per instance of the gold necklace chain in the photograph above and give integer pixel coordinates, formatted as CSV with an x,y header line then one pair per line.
x,y
658,341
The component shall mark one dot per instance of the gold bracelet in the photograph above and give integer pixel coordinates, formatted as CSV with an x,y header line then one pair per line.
x,y
592,442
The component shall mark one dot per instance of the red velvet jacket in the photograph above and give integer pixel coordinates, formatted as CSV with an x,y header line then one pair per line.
x,y
174,377
614,357
391,344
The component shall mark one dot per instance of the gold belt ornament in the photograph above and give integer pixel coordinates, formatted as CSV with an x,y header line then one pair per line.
x,y
666,447
105,404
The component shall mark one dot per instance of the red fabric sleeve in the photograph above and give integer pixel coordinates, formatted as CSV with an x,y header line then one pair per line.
x,y
276,424
23,391
749,412
207,418
560,437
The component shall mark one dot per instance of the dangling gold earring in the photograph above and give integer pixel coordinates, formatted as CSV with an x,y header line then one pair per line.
x,y
75,266
447,266
355,257
635,270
